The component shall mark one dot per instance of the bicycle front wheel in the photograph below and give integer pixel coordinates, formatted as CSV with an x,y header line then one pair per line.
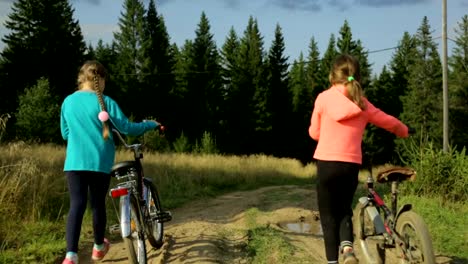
x,y
369,242
414,232
155,228
135,242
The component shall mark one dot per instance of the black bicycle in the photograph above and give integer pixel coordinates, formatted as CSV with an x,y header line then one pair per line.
x,y
379,228
141,214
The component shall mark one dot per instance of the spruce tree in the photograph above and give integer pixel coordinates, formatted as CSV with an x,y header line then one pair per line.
x,y
327,61
400,64
203,94
422,104
301,143
158,78
458,86
229,75
277,111
127,70
251,65
43,40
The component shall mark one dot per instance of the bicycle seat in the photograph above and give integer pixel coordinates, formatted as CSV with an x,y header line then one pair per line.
x,y
122,167
396,174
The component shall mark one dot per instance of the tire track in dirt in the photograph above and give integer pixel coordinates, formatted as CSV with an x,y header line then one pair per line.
x,y
215,230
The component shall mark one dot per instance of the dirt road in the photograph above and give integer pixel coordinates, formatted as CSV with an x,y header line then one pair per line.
x,y
215,230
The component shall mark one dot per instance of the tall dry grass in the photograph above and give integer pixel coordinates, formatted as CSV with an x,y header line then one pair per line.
x,y
33,186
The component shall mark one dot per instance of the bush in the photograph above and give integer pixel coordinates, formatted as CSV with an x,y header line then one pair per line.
x,y
153,140
38,114
181,145
208,145
440,173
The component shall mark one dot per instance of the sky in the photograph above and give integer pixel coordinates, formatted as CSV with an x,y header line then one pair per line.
x,y
379,24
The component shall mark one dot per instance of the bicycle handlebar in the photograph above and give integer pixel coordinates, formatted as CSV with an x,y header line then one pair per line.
x,y
160,127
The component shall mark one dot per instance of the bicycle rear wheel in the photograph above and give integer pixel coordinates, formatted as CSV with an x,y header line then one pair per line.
x,y
135,242
155,228
414,232
369,242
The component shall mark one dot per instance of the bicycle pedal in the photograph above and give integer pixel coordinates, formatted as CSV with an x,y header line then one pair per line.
x,y
165,216
114,229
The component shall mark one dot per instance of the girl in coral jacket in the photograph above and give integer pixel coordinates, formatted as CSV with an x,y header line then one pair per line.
x,y
339,118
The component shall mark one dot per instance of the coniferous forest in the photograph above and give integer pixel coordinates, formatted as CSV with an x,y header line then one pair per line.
x,y
246,96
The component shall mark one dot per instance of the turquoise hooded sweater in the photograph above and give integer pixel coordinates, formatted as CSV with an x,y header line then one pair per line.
x,y
86,148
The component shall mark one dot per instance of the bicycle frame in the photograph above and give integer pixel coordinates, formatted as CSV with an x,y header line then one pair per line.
x,y
130,187
387,226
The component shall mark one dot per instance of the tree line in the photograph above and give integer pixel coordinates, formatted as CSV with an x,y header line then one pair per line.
x,y
248,96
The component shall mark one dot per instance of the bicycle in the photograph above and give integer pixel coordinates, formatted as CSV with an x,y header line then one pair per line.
x,y
140,209
379,228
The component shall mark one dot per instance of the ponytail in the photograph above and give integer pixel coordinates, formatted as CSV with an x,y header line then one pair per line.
x,y
355,92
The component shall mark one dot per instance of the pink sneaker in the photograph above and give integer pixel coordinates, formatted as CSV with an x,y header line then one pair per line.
x,y
70,261
99,254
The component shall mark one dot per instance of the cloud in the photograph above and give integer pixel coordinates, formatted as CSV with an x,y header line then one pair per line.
x,y
310,5
384,3
341,5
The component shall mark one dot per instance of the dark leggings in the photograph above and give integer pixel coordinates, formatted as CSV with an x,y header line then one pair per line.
x,y
79,182
337,182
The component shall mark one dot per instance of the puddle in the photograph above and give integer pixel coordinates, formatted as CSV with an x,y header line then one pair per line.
x,y
303,226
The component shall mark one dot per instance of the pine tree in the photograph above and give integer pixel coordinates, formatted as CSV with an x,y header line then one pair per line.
x,y
251,67
277,111
128,43
346,45
422,103
229,75
402,61
458,86
302,99
315,80
44,40
158,68
345,42
203,95
327,61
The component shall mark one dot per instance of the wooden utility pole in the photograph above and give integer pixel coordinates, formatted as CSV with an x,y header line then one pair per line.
x,y
444,76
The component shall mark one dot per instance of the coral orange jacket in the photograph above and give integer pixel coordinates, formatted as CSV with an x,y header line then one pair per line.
x,y
338,125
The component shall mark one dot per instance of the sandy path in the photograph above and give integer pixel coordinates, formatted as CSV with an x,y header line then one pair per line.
x,y
215,230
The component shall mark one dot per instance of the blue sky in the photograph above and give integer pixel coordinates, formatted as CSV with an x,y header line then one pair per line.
x,y
379,24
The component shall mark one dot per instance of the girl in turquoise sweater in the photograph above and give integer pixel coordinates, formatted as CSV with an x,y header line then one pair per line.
x,y
85,121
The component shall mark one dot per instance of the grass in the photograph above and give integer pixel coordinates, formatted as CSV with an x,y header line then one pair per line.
x,y
34,199
447,224
267,245
34,191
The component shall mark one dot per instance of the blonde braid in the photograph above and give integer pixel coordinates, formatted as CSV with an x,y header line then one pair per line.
x,y
105,126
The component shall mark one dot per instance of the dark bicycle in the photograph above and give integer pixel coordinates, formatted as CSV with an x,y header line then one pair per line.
x,y
379,228
141,214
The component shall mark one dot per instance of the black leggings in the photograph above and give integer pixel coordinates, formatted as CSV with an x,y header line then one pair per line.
x,y
79,182
337,182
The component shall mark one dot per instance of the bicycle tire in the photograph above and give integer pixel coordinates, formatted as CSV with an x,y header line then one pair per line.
x,y
422,246
367,240
135,255
155,228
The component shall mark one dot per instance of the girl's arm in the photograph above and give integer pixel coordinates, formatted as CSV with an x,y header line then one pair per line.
x,y
385,121
63,124
314,129
121,122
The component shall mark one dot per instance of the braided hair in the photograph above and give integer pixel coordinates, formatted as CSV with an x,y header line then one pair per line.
x,y
93,71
